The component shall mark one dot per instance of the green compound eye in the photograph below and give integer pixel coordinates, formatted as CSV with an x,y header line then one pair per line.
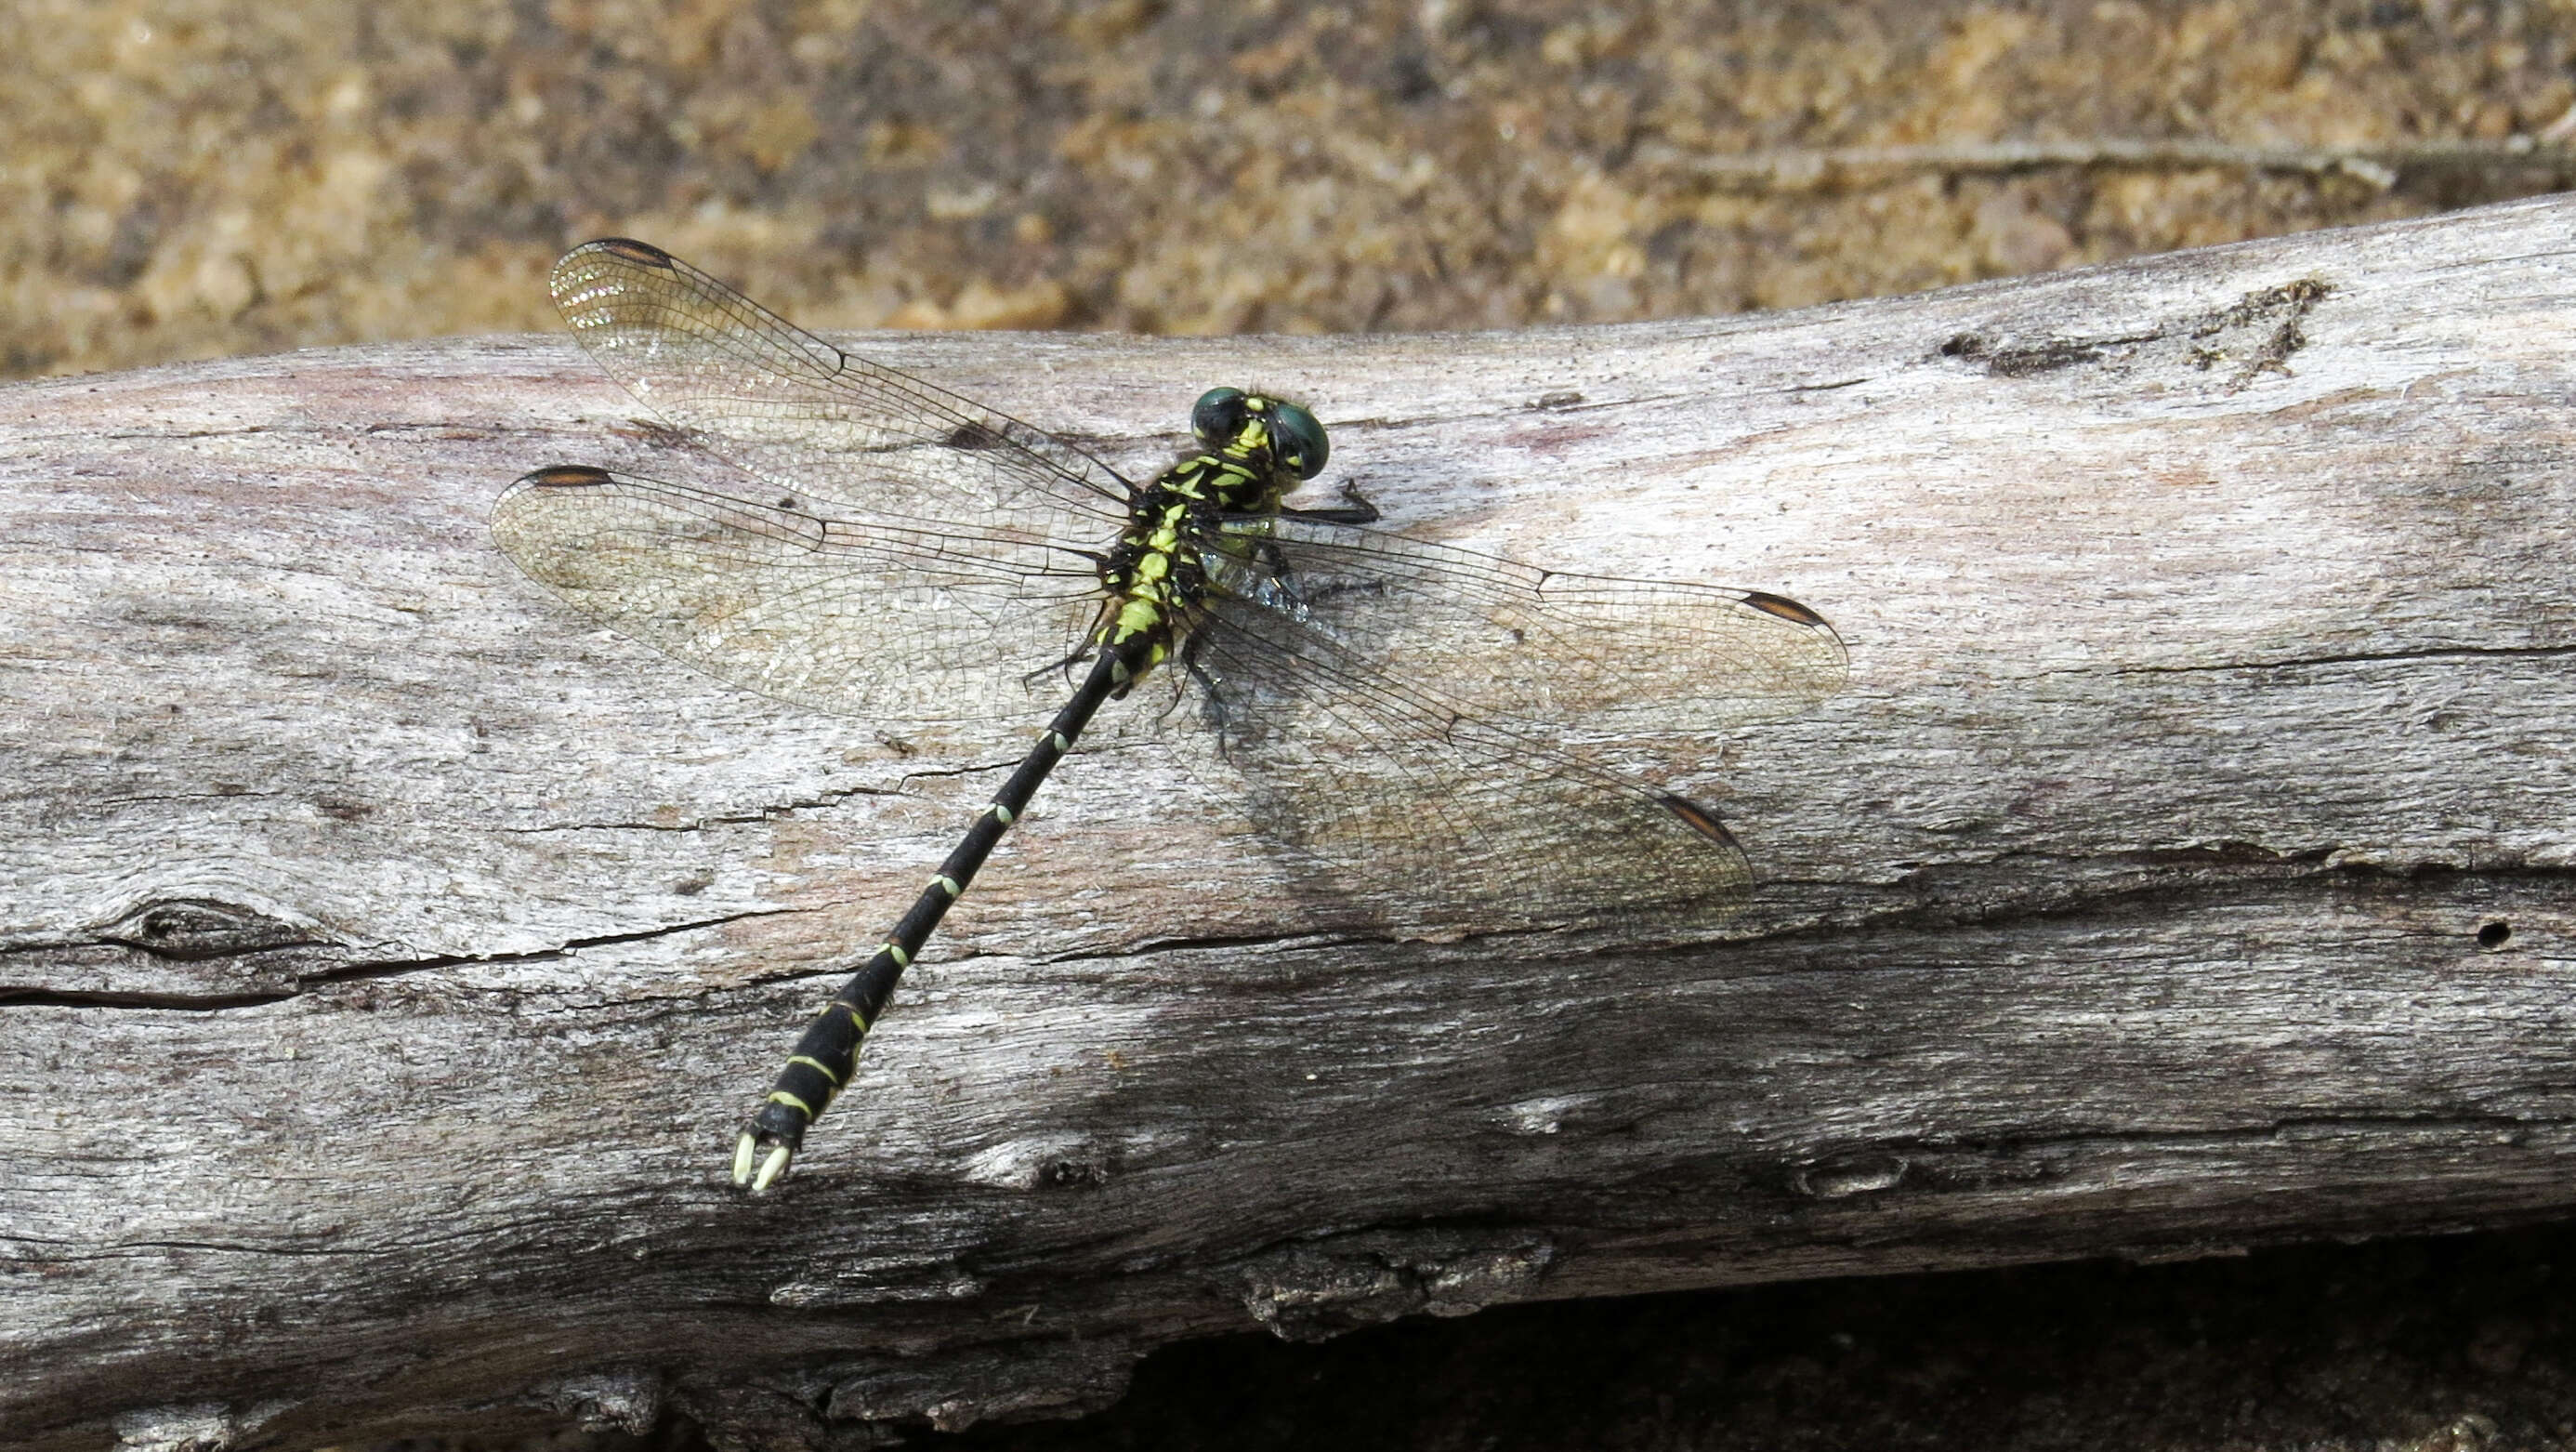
x,y
1301,440
1217,415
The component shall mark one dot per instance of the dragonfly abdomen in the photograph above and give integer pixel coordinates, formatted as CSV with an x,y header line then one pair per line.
x,y
827,1054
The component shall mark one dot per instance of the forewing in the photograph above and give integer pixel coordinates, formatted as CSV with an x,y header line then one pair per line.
x,y
1544,652
907,628
858,439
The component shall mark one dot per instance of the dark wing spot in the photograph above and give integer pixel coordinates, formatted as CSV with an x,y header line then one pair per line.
x,y
1699,819
567,476
1783,607
973,436
643,254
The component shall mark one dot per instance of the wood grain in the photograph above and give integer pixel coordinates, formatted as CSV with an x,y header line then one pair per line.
x,y
386,957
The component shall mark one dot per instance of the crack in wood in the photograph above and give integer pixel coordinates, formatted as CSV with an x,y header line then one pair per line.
x,y
2429,653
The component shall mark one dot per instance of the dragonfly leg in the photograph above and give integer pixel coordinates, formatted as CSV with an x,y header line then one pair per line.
x,y
1214,712
1355,508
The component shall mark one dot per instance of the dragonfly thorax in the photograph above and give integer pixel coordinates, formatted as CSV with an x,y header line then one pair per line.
x,y
1156,575
1256,449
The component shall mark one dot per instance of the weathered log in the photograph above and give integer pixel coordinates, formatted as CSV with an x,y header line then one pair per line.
x,y
389,957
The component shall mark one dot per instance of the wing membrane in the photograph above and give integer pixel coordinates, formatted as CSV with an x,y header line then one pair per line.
x,y
1398,708
1545,652
862,440
904,627
1389,788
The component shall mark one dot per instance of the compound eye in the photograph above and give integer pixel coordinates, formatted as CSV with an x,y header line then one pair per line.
x,y
1302,446
1217,416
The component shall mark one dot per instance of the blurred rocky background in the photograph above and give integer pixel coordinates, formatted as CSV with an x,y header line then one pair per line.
x,y
208,177
190,178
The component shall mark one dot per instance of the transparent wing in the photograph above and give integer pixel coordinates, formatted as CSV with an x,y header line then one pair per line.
x,y
1422,812
858,440
906,627
1543,652
1408,713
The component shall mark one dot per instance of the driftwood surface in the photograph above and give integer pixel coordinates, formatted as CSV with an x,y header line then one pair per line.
x,y
389,955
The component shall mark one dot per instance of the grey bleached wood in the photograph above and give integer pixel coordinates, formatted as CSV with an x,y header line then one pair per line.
x,y
389,957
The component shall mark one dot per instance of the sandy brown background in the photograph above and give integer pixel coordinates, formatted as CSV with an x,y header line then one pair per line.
x,y
200,178
195,178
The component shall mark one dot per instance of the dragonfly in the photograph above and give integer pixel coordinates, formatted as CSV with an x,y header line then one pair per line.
x,y
885,548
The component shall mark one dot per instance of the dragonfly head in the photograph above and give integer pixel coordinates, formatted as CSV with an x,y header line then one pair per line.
x,y
1264,434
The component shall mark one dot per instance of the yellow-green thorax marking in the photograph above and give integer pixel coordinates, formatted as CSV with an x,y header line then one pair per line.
x,y
1255,450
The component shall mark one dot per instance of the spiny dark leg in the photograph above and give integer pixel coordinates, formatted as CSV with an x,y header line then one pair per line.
x,y
1214,713
1276,560
1071,658
828,1053
1355,509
